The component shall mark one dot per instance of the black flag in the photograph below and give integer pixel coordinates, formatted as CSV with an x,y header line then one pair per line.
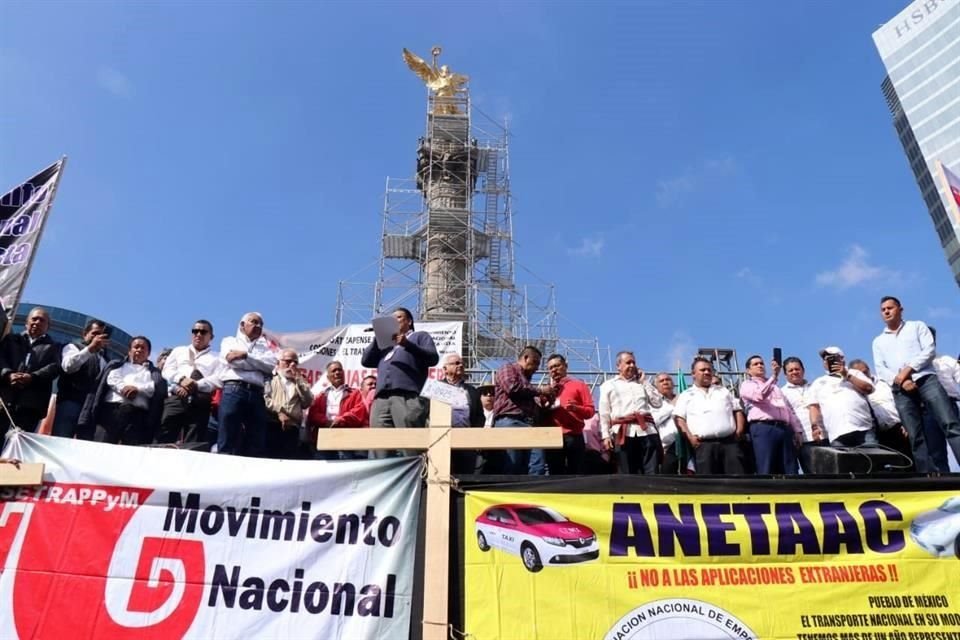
x,y
23,212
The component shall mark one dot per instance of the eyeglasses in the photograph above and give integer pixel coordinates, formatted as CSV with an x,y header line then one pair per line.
x,y
199,332
487,393
290,360
255,322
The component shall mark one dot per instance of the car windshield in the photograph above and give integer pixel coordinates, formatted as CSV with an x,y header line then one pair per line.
x,y
952,505
538,515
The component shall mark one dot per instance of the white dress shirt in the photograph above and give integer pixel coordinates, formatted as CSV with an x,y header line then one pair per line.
x,y
910,345
488,417
844,409
255,368
884,408
184,359
948,373
334,398
665,424
709,412
73,357
620,397
130,375
798,397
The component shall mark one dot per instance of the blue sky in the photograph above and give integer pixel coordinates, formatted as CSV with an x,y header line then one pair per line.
x,y
687,173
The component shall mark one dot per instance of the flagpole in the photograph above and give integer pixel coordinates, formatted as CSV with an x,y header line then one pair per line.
x,y
36,245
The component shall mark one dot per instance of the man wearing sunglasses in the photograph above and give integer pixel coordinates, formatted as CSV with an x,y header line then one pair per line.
x,y
191,372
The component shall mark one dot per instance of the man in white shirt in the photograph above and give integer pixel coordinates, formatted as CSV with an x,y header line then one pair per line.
x,y
796,391
626,419
191,372
467,413
127,405
707,416
81,363
838,403
891,432
667,428
903,357
247,361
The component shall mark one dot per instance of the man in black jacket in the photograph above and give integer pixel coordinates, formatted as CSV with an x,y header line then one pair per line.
x,y
29,363
401,372
128,402
80,365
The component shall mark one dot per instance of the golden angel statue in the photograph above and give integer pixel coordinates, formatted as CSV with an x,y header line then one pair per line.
x,y
440,80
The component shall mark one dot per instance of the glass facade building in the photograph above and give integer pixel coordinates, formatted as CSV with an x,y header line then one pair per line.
x,y
920,49
67,326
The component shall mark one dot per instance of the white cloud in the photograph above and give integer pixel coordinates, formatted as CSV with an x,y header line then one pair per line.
x,y
856,270
590,247
114,82
937,313
672,191
680,351
751,278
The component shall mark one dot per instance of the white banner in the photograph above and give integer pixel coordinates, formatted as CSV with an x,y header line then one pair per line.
x,y
319,347
139,543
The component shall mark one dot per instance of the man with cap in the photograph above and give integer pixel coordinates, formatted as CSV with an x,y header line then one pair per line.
x,y
838,403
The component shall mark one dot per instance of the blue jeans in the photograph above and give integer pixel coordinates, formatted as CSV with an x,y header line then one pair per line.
x,y
243,421
936,442
66,417
773,448
522,461
930,397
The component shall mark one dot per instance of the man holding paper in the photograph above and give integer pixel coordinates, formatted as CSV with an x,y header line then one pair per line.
x,y
402,360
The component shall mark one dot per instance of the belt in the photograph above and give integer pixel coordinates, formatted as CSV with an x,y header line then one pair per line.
x,y
243,384
717,438
776,423
514,416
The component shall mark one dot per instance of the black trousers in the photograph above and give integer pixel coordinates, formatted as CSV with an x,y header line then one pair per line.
x,y
641,455
671,463
720,457
26,419
122,424
569,460
185,420
282,443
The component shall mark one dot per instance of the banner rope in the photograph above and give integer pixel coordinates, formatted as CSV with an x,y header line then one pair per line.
x,y
452,632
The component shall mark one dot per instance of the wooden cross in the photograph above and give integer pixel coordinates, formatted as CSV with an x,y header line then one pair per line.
x,y
439,441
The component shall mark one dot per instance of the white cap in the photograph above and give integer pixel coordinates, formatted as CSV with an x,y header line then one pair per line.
x,y
831,351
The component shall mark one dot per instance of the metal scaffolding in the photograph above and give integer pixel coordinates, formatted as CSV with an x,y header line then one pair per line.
x,y
447,250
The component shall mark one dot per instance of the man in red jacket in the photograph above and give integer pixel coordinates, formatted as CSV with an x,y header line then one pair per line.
x,y
338,406
572,405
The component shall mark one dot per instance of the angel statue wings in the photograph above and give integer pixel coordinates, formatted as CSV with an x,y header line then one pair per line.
x,y
440,80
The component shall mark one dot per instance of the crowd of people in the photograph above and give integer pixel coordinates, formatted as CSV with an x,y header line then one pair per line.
x,y
251,399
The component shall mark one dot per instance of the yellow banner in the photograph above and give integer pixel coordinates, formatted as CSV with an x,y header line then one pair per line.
x,y
842,566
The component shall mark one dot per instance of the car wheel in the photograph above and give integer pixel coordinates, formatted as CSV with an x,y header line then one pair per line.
x,y
482,541
530,557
